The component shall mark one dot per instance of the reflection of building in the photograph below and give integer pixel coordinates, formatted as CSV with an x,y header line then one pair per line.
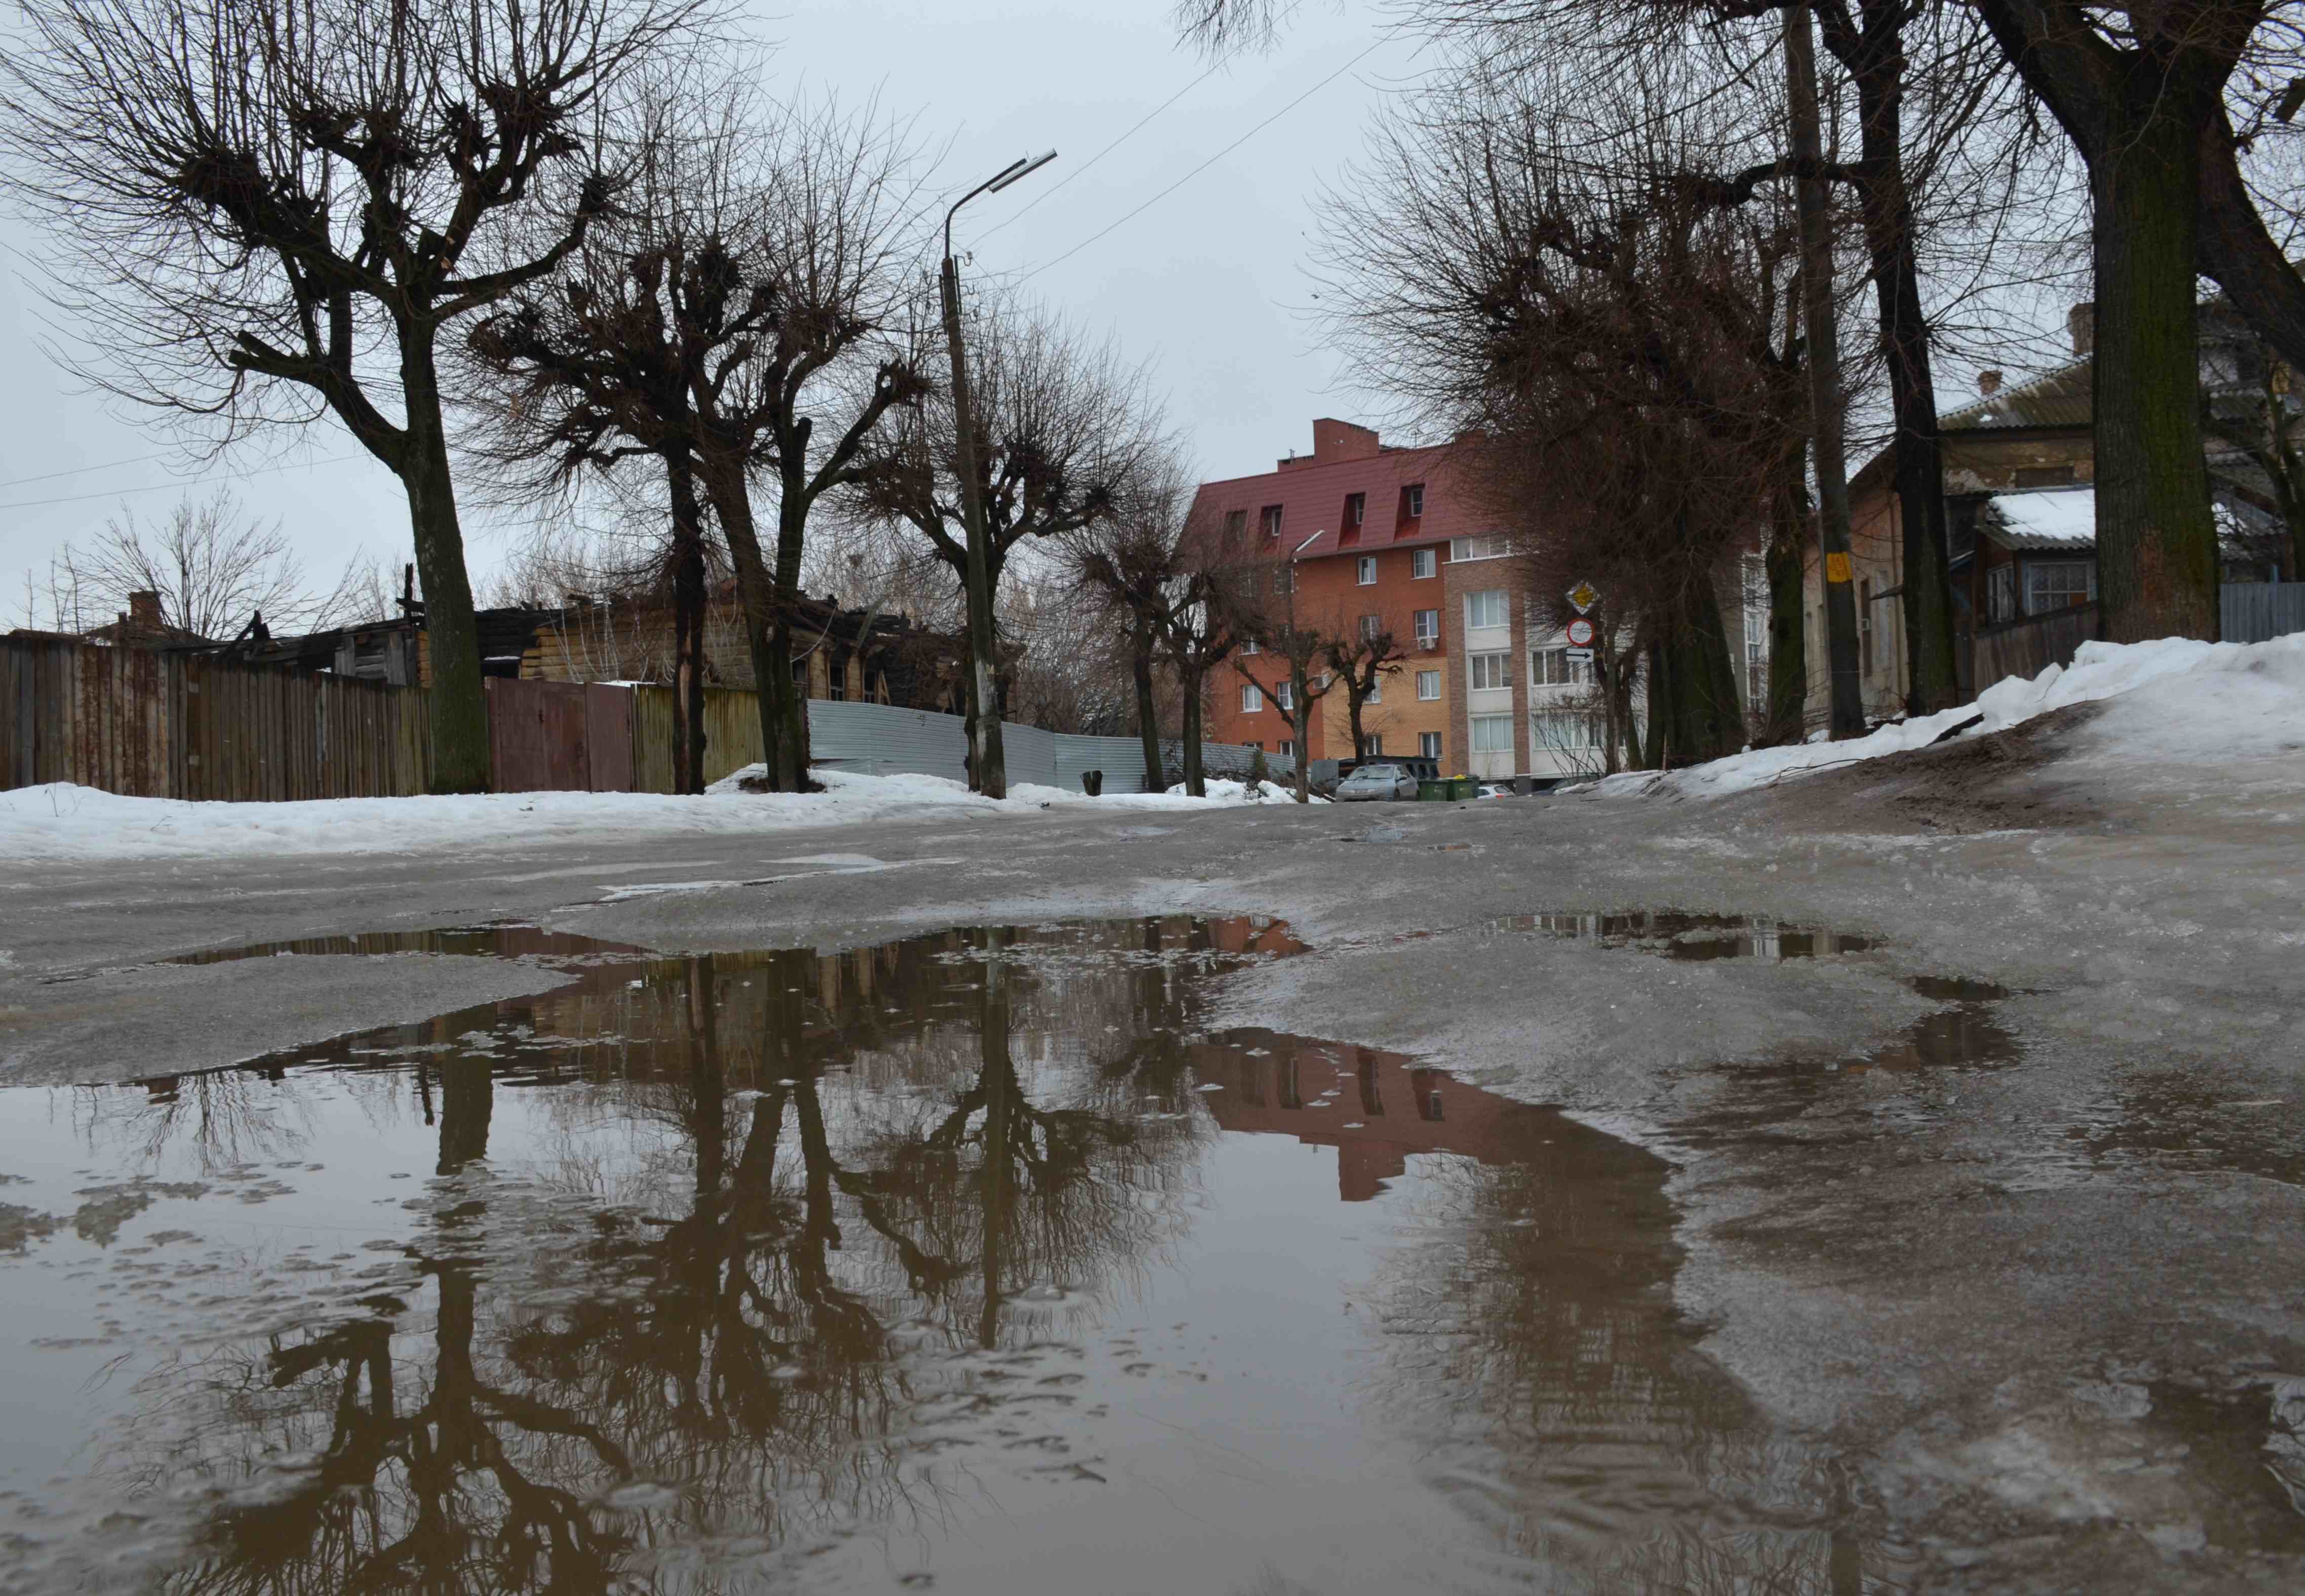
x,y
1375,1108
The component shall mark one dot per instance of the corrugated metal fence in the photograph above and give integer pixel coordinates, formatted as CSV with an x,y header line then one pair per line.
x,y
155,725
2255,612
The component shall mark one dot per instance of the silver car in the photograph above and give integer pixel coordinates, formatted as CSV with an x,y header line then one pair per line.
x,y
1376,784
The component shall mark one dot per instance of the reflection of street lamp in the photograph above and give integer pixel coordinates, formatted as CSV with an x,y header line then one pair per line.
x,y
988,762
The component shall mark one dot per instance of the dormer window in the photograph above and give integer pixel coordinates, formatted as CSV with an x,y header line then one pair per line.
x,y
1268,521
1412,501
1356,508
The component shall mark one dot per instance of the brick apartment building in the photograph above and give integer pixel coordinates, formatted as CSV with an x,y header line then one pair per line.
x,y
1392,538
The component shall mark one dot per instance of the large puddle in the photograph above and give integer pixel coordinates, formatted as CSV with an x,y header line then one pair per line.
x,y
974,1262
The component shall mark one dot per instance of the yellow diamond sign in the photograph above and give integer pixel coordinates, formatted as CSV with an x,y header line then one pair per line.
x,y
1584,596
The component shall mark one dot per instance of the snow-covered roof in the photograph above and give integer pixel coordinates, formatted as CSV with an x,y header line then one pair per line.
x,y
2063,518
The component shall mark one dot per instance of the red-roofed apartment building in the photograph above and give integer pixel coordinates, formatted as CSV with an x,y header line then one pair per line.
x,y
1394,534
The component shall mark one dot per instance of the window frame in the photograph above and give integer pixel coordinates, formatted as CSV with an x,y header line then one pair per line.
x,y
1268,519
1412,501
1432,678
1428,636
1252,699
1423,564
1473,730
1428,745
2031,587
1474,604
1489,662
1365,572
1356,509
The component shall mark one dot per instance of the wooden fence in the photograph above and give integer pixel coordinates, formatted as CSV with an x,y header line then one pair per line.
x,y
2029,647
154,725
732,734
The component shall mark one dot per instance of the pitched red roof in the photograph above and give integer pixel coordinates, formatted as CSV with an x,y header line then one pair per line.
x,y
1312,494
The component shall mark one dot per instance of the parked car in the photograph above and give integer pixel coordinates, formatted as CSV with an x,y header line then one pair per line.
x,y
1376,784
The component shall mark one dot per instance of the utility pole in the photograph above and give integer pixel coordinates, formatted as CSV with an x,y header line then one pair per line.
x,y
1848,695
988,761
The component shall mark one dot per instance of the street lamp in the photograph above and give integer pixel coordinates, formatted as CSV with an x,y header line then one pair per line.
x,y
988,761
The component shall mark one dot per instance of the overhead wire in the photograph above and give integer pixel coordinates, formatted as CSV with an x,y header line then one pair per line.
x,y
262,471
1051,191
1385,39
104,465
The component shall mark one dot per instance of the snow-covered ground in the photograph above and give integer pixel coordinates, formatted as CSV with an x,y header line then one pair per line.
x,y
2178,701
62,821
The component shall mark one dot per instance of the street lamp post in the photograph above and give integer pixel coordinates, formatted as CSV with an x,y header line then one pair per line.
x,y
988,762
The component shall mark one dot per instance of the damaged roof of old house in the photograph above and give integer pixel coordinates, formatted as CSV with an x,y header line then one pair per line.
x,y
2058,398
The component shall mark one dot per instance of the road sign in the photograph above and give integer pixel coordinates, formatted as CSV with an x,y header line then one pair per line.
x,y
1580,656
1584,596
1580,634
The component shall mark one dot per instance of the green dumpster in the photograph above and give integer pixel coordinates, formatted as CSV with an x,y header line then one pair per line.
x,y
1461,787
1432,791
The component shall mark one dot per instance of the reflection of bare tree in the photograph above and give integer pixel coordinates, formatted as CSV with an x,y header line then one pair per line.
x,y
829,1174
1530,1322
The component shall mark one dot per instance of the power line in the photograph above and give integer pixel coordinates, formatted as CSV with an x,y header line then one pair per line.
x,y
79,470
262,471
1212,160
1051,191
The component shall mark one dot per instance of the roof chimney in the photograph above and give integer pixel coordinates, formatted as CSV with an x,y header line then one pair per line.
x,y
2080,321
144,611
1988,383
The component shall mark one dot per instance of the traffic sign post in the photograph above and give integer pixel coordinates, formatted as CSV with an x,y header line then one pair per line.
x,y
1580,634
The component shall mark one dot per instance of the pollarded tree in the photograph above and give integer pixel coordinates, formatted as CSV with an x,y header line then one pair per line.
x,y
1133,571
267,212
1065,431
1362,652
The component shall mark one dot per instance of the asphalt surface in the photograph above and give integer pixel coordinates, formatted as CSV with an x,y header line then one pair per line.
x,y
2006,1207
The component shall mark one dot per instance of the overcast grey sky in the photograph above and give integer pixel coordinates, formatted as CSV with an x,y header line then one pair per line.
x,y
1209,283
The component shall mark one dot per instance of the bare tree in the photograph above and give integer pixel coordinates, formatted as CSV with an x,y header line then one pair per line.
x,y
1289,644
216,570
267,213
1210,621
1064,431
1361,656
1132,573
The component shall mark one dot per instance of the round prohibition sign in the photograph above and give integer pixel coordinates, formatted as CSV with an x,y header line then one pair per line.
x,y
1580,634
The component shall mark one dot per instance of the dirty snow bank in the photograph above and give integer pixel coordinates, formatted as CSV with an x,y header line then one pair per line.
x,y
2179,700
62,821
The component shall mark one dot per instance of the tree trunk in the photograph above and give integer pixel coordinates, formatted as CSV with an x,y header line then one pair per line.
x,y
1301,721
1927,576
2156,541
1354,704
1787,717
789,753
1825,380
1148,729
1702,719
766,639
687,624
459,710
1197,784
1660,689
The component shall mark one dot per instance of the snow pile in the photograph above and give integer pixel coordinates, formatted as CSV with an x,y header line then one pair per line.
x,y
62,821
1236,792
2181,700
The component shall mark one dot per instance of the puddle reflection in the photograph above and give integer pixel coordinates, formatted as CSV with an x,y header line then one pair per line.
x,y
975,1259
1692,937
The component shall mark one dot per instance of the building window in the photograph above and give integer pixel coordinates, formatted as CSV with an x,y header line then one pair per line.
x,y
1268,521
1428,744
1252,698
1423,563
2001,593
1372,745
1287,749
1356,508
1553,667
1364,570
1412,501
2057,584
1235,523
1428,628
1372,628
1564,730
1284,693
1492,734
1476,548
1487,609
1377,690
1490,670
1428,684
1249,645
1865,627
